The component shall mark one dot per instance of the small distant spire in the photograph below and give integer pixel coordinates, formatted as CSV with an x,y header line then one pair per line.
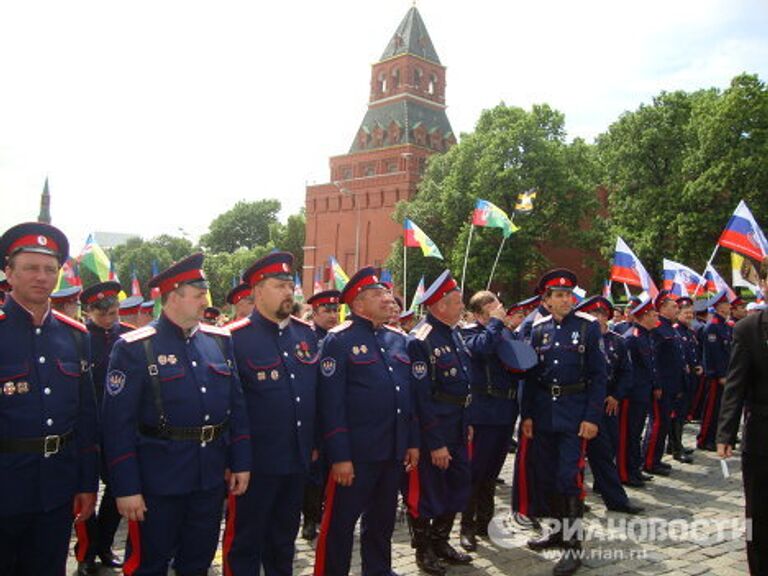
x,y
45,205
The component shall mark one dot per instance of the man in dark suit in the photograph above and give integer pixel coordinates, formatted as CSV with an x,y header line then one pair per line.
x,y
746,388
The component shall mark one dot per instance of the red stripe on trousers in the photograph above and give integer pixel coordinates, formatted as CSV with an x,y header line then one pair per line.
x,y
470,449
522,476
83,542
414,492
322,541
229,532
581,465
697,398
133,562
621,456
651,449
706,422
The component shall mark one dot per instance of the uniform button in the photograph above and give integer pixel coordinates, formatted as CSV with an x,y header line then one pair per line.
x,y
285,354
557,344
298,398
298,423
557,327
49,422
397,388
279,332
390,368
382,349
194,364
41,359
398,410
47,391
207,417
293,375
557,362
37,331
202,444
554,380
203,389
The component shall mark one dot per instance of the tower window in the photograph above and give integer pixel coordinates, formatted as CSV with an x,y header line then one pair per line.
x,y
381,83
432,88
417,74
395,78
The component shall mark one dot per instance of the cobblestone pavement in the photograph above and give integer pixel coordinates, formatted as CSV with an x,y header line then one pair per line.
x,y
695,492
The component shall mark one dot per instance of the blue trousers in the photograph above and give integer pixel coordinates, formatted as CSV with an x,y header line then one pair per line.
x,y
564,454
601,453
432,492
35,544
632,416
490,445
656,431
372,496
180,528
710,413
262,525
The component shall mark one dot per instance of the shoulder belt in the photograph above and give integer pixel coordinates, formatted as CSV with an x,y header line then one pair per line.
x,y
238,324
69,321
422,331
542,319
340,327
300,321
139,334
217,330
585,316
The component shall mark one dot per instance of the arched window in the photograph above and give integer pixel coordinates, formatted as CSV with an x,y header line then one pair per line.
x,y
417,75
432,88
395,78
381,83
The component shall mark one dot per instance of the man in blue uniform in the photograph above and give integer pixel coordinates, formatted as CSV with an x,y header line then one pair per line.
x,y
601,450
174,428
241,300
48,449
562,407
717,349
67,301
277,356
693,372
670,374
441,374
369,426
492,414
129,310
146,313
101,306
633,409
325,315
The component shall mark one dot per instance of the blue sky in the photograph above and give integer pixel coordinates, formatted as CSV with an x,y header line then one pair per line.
x,y
153,116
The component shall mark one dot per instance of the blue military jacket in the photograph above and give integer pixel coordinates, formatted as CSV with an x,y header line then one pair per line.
x,y
367,404
278,366
101,346
690,344
670,357
717,346
642,352
199,387
440,364
489,372
43,394
570,352
619,366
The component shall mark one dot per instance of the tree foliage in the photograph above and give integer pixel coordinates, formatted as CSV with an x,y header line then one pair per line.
x,y
246,225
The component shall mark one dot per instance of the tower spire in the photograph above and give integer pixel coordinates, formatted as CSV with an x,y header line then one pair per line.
x,y
45,205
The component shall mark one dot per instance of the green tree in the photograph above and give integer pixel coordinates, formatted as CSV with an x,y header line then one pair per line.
x,y
138,255
290,237
246,225
511,150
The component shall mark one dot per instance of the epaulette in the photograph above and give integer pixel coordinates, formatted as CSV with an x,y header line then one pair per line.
x,y
339,327
218,330
395,329
421,332
542,319
67,320
127,325
470,326
139,334
586,316
237,324
300,321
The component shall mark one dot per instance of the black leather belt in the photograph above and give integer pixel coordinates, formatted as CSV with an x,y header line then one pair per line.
x,y
46,445
556,391
198,433
501,393
462,400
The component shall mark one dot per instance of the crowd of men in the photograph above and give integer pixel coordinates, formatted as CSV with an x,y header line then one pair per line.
x,y
280,414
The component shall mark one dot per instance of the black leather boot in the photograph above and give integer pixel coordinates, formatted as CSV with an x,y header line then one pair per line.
x,y
553,539
485,507
467,538
570,561
441,531
421,540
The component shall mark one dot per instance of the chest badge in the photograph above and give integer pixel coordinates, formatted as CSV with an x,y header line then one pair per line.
x,y
162,359
437,352
172,360
356,350
261,376
302,350
22,387
274,374
363,348
9,388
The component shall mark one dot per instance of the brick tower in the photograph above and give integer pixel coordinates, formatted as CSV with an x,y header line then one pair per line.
x,y
350,217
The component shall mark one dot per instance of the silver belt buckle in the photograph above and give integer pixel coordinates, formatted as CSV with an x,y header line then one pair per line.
x,y
51,445
206,433
556,391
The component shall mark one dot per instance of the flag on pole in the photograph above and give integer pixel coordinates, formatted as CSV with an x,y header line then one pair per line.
x,y
743,235
490,215
679,285
415,238
743,273
676,272
607,289
68,276
627,268
95,259
154,293
317,284
135,286
524,204
298,293
715,282
417,295
339,277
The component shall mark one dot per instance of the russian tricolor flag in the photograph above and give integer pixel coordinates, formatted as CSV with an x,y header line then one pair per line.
x,y
628,269
743,235
715,282
674,272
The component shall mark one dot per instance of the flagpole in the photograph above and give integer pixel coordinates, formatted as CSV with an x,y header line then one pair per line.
x,y
466,255
405,272
495,262
709,263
